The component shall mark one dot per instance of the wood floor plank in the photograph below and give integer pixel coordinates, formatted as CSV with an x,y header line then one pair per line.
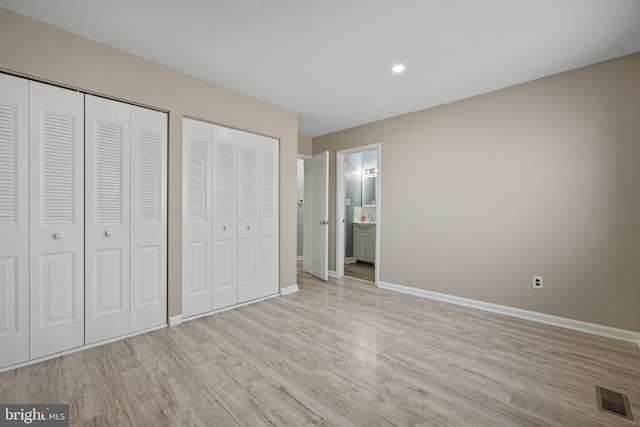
x,y
340,353
361,271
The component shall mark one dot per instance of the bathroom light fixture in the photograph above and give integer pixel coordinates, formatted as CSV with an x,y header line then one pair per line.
x,y
398,68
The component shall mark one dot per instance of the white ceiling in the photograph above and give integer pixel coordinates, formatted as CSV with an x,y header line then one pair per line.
x,y
330,60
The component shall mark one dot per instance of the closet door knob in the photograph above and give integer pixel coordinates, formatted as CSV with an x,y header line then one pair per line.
x,y
108,233
58,235
248,227
224,227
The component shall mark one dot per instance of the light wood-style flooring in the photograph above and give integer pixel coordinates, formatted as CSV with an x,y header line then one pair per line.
x,y
360,270
337,354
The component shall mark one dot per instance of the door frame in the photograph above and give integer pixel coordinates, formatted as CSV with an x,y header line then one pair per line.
x,y
340,207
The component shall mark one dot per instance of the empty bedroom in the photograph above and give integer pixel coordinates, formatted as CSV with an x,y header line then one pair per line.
x,y
337,213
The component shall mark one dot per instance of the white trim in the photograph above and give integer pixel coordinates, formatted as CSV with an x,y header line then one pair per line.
x,y
231,307
289,289
376,271
175,320
350,260
576,325
300,157
82,347
333,274
340,213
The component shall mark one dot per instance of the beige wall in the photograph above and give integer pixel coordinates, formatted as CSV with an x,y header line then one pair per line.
x,y
31,48
540,178
304,145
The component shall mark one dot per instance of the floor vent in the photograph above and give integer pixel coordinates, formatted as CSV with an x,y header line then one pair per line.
x,y
613,403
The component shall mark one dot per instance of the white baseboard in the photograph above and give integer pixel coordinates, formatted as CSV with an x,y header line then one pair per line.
x,y
576,325
289,290
300,258
350,260
333,274
175,320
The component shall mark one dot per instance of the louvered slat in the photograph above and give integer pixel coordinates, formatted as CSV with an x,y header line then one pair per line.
x,y
8,166
248,184
108,173
150,186
224,171
57,169
197,180
268,192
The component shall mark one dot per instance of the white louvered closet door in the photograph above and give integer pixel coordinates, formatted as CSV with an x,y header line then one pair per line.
x,y
56,219
248,216
148,218
269,249
225,291
196,217
107,227
14,220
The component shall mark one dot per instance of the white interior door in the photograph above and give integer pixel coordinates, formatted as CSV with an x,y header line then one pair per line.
x,y
196,217
225,289
14,220
56,219
316,216
107,224
148,218
269,152
248,212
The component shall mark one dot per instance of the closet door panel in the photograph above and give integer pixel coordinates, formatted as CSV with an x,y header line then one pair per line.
x,y
269,247
148,218
107,223
197,218
225,292
56,122
14,220
248,216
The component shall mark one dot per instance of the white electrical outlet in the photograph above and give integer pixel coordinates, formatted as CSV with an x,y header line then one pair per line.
x,y
538,283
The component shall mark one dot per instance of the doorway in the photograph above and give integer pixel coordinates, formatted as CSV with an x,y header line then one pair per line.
x,y
300,204
358,212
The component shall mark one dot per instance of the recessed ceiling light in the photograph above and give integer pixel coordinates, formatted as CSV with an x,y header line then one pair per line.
x,y
398,68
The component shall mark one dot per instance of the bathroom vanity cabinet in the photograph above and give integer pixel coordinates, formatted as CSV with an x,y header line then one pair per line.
x,y
364,241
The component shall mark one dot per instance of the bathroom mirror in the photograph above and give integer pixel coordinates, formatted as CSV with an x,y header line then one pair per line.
x,y
369,190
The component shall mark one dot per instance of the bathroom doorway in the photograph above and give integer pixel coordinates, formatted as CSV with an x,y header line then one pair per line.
x,y
358,213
